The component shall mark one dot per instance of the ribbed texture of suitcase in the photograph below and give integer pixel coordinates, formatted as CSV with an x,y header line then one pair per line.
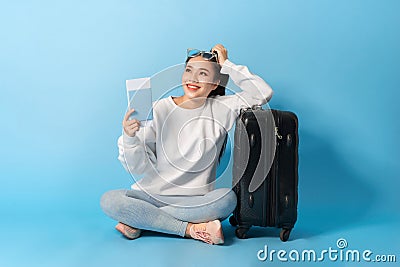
x,y
263,139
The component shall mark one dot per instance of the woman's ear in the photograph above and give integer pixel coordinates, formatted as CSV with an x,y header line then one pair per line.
x,y
216,84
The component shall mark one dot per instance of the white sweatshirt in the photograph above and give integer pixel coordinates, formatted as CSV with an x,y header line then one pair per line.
x,y
177,152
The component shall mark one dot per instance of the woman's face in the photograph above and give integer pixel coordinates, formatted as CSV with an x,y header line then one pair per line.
x,y
200,77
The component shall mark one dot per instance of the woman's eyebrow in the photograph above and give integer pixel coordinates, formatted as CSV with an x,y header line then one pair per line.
x,y
204,69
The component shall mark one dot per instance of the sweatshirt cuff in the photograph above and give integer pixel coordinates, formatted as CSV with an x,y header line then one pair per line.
x,y
129,140
227,67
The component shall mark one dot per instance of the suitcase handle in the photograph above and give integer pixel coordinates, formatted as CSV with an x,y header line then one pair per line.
x,y
256,107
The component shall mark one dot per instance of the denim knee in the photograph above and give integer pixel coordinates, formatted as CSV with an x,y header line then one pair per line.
x,y
111,200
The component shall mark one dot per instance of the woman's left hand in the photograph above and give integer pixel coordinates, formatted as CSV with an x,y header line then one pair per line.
x,y
222,53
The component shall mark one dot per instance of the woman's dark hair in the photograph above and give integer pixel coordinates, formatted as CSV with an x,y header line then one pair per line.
x,y
220,90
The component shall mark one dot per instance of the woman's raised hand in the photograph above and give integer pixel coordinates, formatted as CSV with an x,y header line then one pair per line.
x,y
130,126
222,53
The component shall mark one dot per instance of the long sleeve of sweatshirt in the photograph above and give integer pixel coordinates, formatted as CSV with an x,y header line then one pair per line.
x,y
255,91
138,154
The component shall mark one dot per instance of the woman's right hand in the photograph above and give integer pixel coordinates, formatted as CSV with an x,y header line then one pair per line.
x,y
222,53
130,126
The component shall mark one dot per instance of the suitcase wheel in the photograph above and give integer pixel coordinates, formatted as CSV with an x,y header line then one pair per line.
x,y
241,232
285,233
233,221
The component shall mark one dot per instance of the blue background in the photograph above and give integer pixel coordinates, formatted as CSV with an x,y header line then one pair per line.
x,y
63,67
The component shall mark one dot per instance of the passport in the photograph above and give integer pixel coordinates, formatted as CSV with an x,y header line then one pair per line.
x,y
140,98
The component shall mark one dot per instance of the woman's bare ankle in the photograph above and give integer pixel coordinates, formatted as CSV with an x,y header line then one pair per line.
x,y
187,232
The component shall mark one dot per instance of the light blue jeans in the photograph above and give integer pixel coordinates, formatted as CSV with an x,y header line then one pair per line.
x,y
167,214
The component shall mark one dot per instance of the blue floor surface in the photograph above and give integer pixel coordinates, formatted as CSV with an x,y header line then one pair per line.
x,y
82,238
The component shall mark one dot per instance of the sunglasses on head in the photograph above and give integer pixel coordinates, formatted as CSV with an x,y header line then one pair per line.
x,y
191,52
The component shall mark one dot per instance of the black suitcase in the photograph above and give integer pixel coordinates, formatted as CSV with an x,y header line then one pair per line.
x,y
263,139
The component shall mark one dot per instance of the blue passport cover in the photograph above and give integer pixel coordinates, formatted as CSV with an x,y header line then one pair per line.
x,y
140,98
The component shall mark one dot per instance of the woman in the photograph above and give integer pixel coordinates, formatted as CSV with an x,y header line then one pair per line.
x,y
176,153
